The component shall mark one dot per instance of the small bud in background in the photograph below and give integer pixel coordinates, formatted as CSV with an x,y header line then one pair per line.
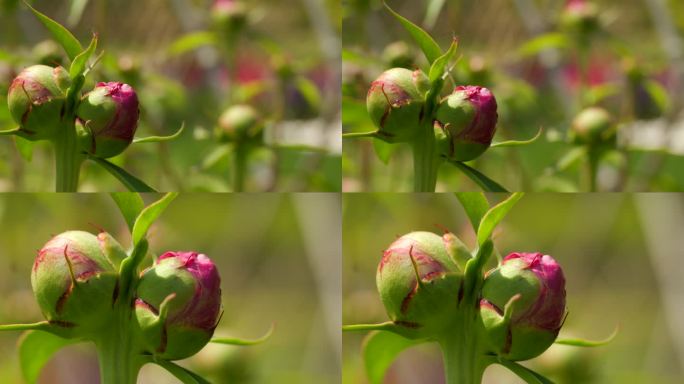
x,y
395,103
239,123
467,121
178,304
529,289
48,53
580,17
36,100
74,279
229,17
398,55
593,126
427,306
107,119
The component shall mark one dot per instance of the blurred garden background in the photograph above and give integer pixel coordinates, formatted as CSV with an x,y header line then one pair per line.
x,y
278,257
545,61
190,60
620,253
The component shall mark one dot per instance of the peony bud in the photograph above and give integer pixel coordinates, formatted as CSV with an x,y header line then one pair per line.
x,y
523,305
395,103
36,100
178,304
398,54
239,123
592,126
580,17
107,119
428,305
229,16
466,122
74,280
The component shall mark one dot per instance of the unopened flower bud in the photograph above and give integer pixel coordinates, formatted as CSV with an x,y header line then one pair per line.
x,y
239,123
36,100
593,126
49,53
419,282
398,54
523,305
580,17
74,280
107,119
466,122
229,17
178,304
395,103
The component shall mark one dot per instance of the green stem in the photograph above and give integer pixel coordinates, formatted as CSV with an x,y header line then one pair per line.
x,y
67,158
464,362
241,152
426,160
119,360
592,168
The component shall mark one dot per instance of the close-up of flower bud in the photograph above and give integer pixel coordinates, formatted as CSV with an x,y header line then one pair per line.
x,y
178,304
74,279
229,16
107,119
36,100
592,126
466,122
523,305
239,123
395,103
419,282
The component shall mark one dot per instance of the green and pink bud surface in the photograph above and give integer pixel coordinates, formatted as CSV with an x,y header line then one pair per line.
x,y
36,100
74,279
178,304
395,103
466,122
107,119
420,282
523,305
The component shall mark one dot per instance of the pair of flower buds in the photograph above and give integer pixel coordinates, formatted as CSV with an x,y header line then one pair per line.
x,y
178,299
106,117
521,303
464,122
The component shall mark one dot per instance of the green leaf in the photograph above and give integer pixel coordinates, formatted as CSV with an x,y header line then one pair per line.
x,y
156,139
76,11
244,342
25,147
588,343
310,91
217,155
36,348
517,143
494,216
384,150
11,131
190,42
130,204
570,158
184,375
440,65
356,135
149,215
131,182
475,205
434,9
78,66
72,47
380,349
658,93
542,42
426,43
487,184
530,376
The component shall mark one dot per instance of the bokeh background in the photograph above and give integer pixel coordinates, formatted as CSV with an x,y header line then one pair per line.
x,y
284,62
542,74
621,255
279,261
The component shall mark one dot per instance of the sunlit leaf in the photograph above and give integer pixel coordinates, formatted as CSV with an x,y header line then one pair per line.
x,y
484,182
156,139
130,204
517,143
36,348
426,43
494,216
62,35
148,215
475,205
131,182
380,349
530,376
